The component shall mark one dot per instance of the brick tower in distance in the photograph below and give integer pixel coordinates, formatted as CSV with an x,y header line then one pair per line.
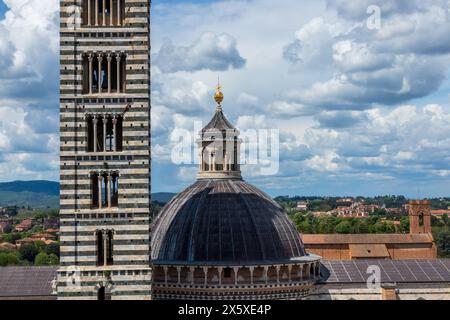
x,y
105,150
419,216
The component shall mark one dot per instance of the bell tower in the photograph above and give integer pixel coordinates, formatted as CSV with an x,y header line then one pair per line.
x,y
104,150
419,216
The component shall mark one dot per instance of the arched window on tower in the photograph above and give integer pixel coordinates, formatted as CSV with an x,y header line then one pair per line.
x,y
104,198
100,249
114,189
94,191
110,138
103,73
421,220
110,248
97,126
111,15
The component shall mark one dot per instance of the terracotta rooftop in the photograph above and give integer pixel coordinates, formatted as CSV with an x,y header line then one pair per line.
x,y
376,250
366,238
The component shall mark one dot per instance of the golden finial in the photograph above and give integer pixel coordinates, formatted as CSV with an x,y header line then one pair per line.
x,y
219,95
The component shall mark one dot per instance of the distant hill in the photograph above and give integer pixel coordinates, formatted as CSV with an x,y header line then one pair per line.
x,y
36,194
163,197
37,186
43,194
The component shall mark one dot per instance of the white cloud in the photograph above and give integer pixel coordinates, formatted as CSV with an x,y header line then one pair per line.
x,y
407,58
29,45
210,51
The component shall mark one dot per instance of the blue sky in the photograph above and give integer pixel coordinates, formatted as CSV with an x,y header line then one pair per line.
x,y
361,110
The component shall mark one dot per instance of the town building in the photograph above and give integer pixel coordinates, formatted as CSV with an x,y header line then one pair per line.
x,y
223,238
5,225
302,206
25,225
440,213
50,223
7,246
418,244
105,149
347,208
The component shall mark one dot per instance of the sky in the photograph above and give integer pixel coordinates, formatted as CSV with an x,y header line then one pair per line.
x,y
361,100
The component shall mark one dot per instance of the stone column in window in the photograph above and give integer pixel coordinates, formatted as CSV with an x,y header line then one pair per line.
x,y
266,269
191,275
89,12
220,269
96,12
118,57
105,247
90,59
100,196
105,122
109,190
179,275
166,269
235,272
104,13
289,272
110,12
205,272
252,270
109,58
118,12
115,132
95,121
99,73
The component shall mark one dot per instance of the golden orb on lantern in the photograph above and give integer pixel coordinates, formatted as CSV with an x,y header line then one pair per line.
x,y
218,96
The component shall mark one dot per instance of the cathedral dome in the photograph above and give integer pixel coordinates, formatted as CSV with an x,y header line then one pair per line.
x,y
224,238
224,222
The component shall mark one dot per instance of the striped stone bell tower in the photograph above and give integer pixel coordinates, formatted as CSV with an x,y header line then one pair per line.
x,y
105,149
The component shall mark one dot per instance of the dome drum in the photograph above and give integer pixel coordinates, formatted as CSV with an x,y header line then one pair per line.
x,y
239,282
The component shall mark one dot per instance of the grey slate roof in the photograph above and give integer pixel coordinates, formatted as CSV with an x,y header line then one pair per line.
x,y
29,282
219,122
392,271
26,281
224,221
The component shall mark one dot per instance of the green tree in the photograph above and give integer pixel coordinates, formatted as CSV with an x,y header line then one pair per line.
x,y
379,212
28,252
12,237
443,244
404,224
445,219
362,227
52,248
41,259
343,227
53,259
8,259
40,245
380,227
390,227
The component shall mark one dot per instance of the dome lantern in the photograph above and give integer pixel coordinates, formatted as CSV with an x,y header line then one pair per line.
x,y
219,146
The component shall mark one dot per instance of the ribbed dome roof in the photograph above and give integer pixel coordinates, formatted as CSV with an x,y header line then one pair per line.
x,y
224,222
